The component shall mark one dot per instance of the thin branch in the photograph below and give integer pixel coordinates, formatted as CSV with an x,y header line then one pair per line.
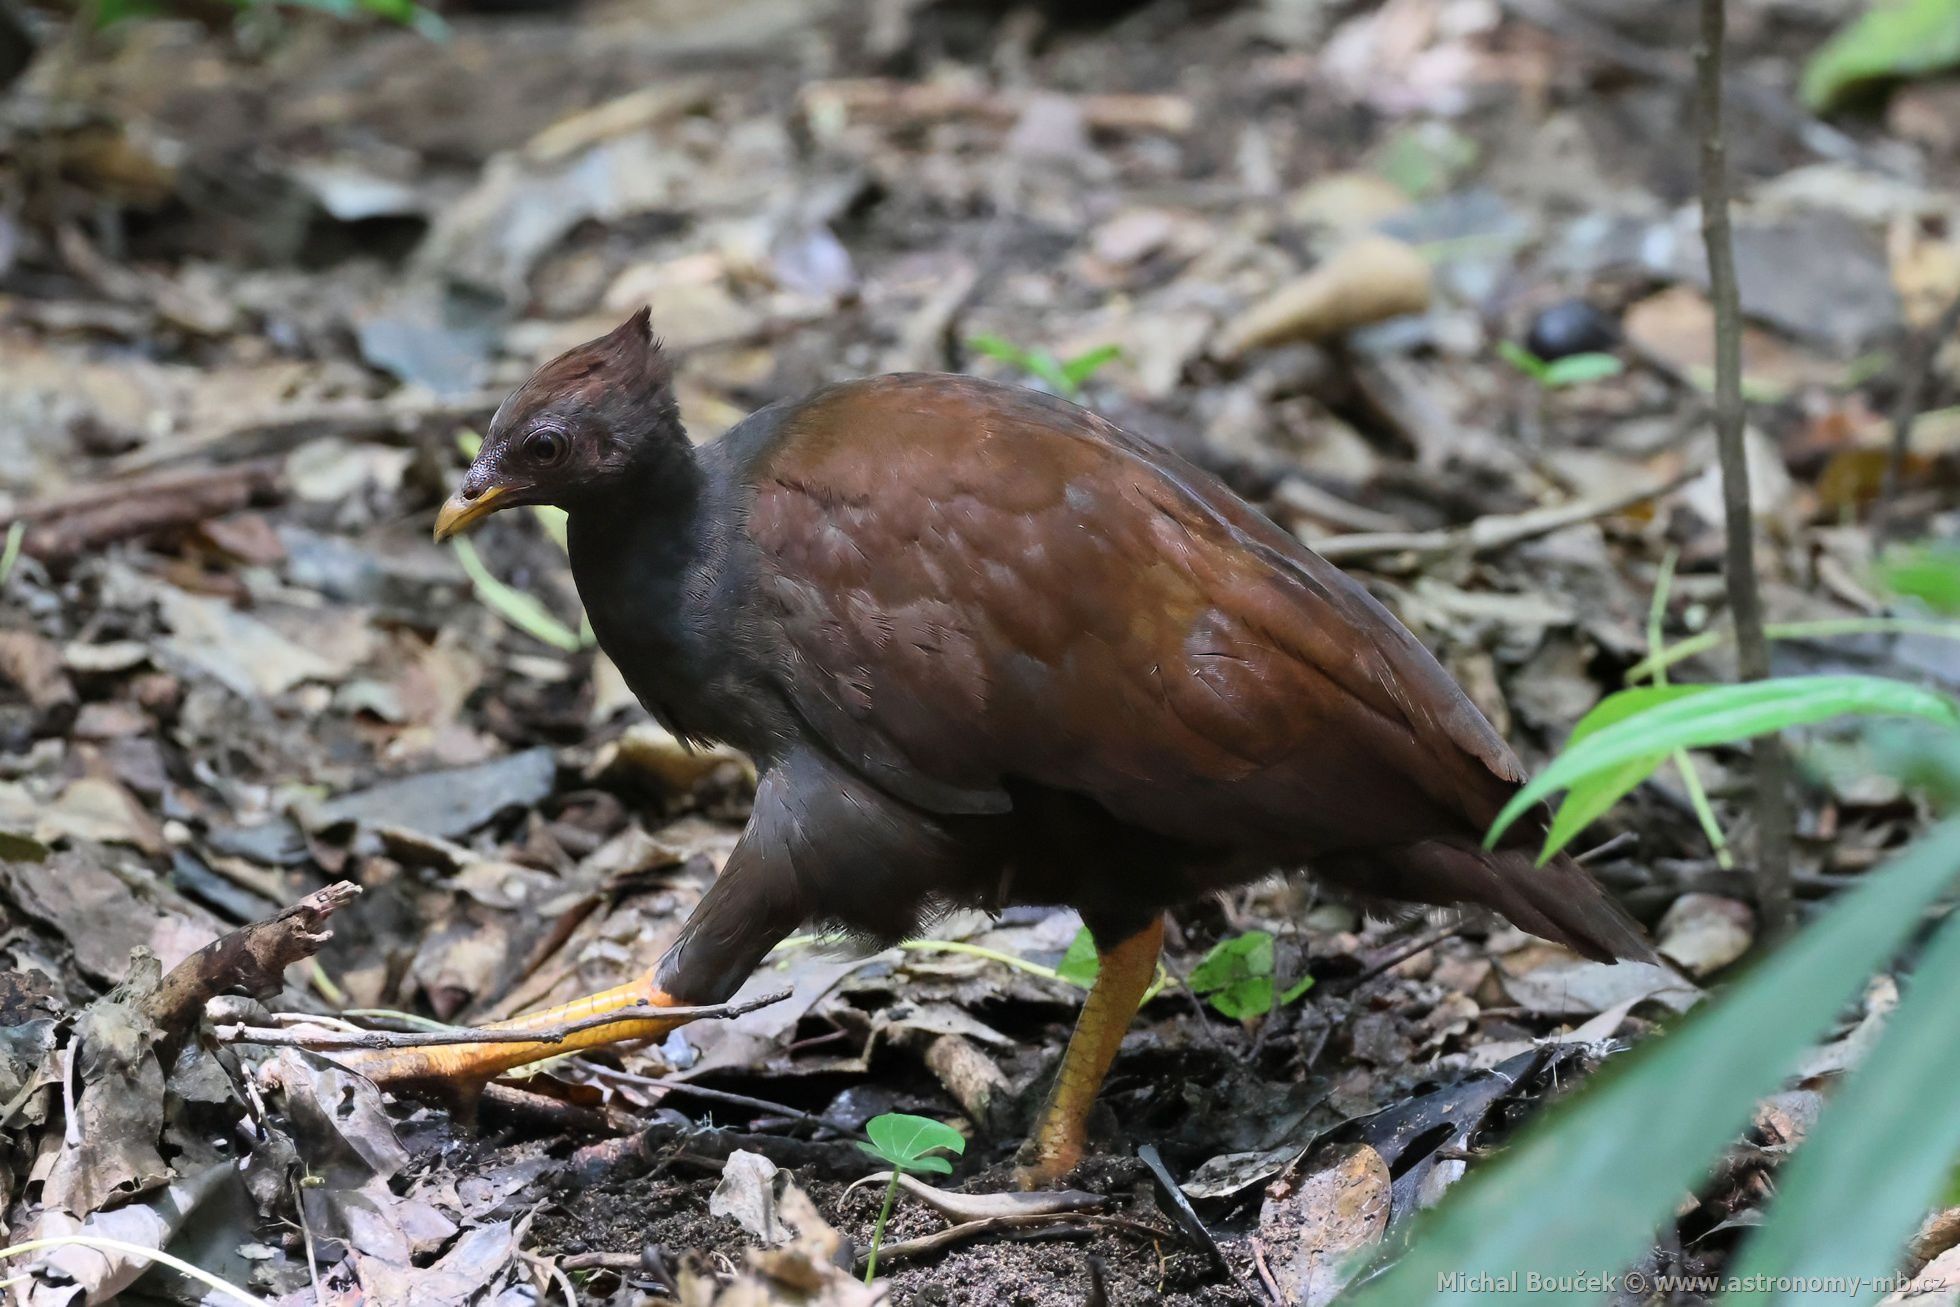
x,y
1745,599
1394,955
336,1041
687,1089
1606,848
1497,531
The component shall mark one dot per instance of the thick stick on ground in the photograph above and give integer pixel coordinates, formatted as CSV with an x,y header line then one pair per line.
x,y
1056,1145
252,960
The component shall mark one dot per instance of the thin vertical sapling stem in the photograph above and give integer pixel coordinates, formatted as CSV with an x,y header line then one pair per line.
x,y
1745,598
878,1229
905,1143
1690,778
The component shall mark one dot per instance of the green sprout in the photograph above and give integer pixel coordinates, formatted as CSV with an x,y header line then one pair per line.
x,y
1929,573
1237,978
10,551
408,13
1065,377
1556,374
906,1144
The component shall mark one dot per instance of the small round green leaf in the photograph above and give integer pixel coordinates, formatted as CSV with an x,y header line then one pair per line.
x,y
903,1140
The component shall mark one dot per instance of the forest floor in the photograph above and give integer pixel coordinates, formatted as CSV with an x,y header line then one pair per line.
x,y
257,285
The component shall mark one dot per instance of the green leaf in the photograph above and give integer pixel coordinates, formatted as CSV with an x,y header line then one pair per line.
x,y
1243,999
1930,573
1038,363
1585,1188
1232,960
998,347
1236,977
1049,370
904,1141
1923,758
1081,964
408,13
1577,369
1085,365
1426,159
1882,1150
1622,705
21,848
1589,799
1892,39
110,12
1725,714
10,551
1592,798
1523,360
514,606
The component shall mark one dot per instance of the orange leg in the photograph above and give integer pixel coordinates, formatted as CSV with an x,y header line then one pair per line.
x,y
745,912
474,1064
1055,1147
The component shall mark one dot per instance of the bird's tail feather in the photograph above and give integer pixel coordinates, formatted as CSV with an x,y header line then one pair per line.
x,y
1559,901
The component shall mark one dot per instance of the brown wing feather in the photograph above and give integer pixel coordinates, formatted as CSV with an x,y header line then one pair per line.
x,y
980,583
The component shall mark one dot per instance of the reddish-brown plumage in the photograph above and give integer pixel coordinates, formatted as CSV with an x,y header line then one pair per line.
x,y
988,648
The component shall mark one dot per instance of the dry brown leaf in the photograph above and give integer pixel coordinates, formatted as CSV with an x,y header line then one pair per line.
x,y
1310,1226
1370,280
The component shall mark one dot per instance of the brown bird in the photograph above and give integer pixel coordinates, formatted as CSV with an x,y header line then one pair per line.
x,y
987,649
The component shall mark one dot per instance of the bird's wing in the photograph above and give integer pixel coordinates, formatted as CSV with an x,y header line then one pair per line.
x,y
975,584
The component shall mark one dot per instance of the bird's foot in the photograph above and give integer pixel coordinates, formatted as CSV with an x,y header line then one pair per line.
x,y
614,1016
1044,1162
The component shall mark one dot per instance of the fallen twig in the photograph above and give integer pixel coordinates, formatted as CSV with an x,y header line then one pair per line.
x,y
688,1090
1266,1279
66,526
283,432
895,103
252,960
964,1208
336,1041
1396,954
1497,531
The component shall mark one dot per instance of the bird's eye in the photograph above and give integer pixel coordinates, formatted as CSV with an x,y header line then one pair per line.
x,y
547,447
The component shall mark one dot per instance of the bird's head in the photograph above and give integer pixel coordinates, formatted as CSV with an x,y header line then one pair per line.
x,y
571,432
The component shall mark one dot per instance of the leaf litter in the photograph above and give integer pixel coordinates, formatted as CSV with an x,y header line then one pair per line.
x,y
236,671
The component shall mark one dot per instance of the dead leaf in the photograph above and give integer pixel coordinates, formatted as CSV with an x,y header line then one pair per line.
x,y
808,1272
111,1146
1547,980
1310,1226
1370,280
65,1276
1705,932
747,1196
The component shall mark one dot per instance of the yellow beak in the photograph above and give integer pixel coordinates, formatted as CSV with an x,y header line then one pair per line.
x,y
460,514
